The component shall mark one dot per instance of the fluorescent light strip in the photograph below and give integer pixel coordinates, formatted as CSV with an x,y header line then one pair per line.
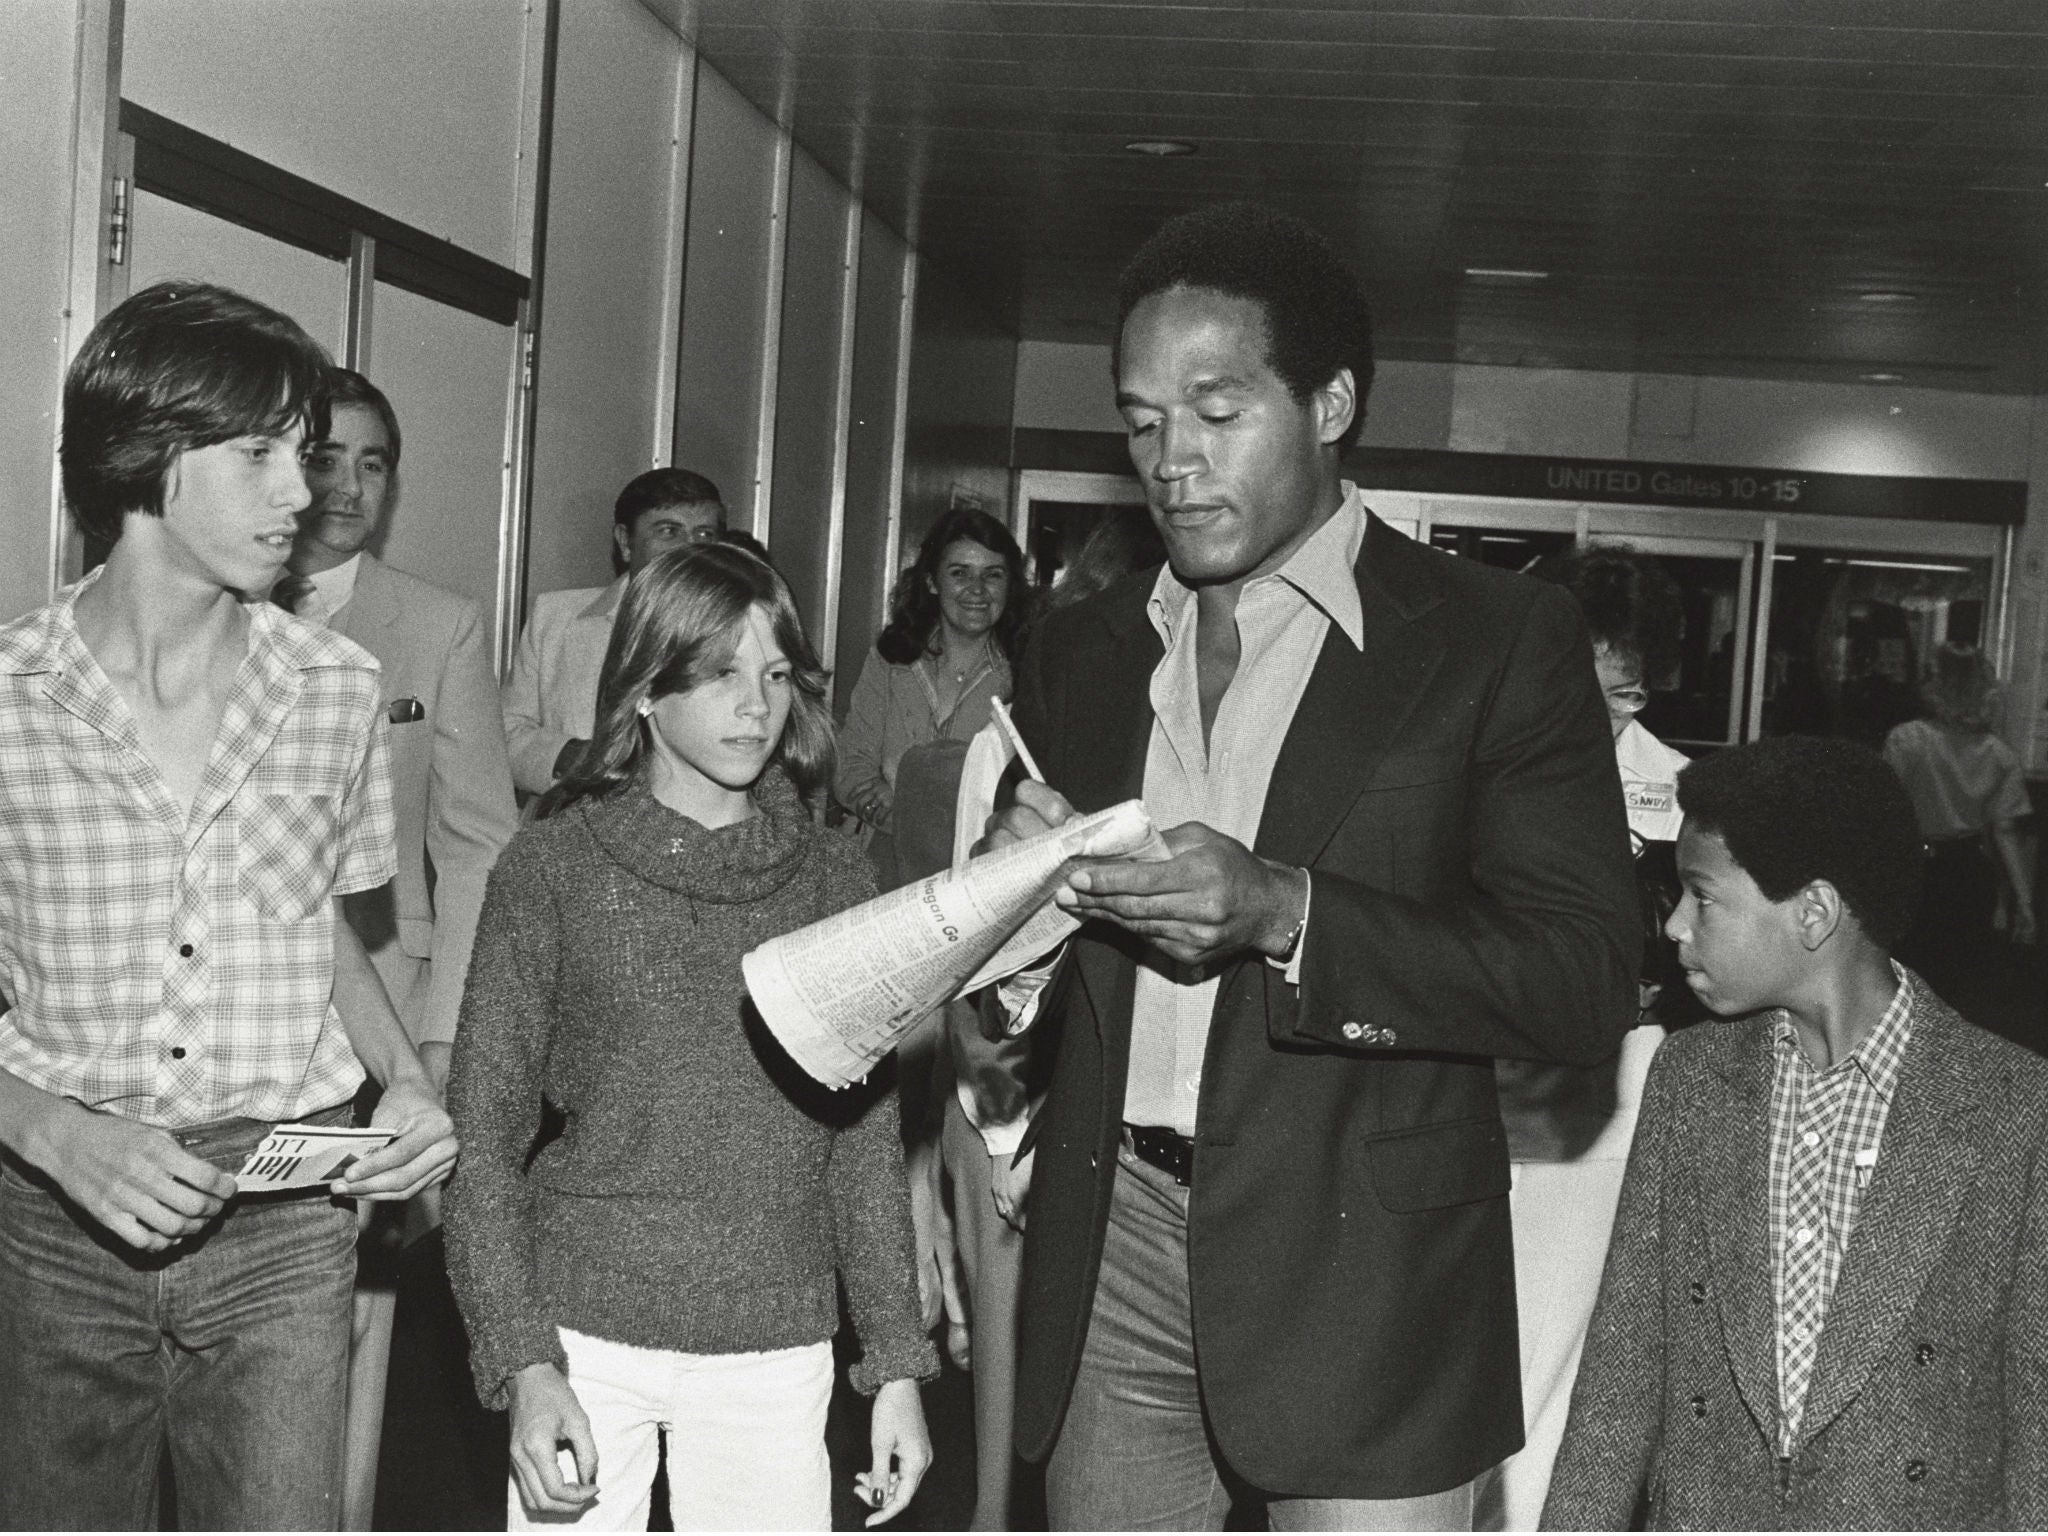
x,y
1885,565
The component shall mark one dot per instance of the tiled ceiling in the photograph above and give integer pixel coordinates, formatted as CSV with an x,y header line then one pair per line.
x,y
1769,188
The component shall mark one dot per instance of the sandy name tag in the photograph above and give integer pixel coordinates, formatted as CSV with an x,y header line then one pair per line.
x,y
1655,798
295,1156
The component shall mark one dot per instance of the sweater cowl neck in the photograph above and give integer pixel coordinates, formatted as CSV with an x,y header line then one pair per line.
x,y
742,862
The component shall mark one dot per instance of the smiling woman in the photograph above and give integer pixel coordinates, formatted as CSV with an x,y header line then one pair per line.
x,y
945,655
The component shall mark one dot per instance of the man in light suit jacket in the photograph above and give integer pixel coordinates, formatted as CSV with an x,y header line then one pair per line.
x,y
1268,1246
451,793
550,700
1826,1300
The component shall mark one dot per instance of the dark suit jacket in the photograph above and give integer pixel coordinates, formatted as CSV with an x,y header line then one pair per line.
x,y
1454,791
1928,1407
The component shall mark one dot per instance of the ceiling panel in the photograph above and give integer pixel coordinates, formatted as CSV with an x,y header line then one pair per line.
x,y
1783,188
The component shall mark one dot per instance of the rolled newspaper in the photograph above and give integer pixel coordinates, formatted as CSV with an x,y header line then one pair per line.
x,y
842,992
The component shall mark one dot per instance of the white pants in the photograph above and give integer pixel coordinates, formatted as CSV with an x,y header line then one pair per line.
x,y
746,1438
1563,1216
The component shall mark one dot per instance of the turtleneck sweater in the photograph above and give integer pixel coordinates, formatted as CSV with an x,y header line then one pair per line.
x,y
703,1192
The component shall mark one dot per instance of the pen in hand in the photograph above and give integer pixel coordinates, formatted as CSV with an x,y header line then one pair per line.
x,y
1009,726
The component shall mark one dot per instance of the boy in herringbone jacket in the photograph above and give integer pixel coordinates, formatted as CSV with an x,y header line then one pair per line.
x,y
1826,1301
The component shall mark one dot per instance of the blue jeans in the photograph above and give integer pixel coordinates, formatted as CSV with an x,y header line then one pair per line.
x,y
1135,1452
229,1350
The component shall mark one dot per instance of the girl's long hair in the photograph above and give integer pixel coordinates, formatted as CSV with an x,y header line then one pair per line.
x,y
676,628
913,627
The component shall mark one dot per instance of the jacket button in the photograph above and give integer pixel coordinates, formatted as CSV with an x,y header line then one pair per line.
x,y
1387,1036
1697,1291
1699,1407
1353,1031
1924,1354
1916,1471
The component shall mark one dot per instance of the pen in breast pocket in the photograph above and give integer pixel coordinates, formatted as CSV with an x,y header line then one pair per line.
x,y
1009,726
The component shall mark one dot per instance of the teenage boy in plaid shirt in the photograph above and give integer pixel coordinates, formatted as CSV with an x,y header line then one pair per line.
x,y
190,779
1826,1300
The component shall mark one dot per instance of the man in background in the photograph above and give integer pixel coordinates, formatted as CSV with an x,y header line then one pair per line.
x,y
550,700
451,799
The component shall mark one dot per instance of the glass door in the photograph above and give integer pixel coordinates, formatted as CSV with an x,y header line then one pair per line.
x,y
1852,615
1510,535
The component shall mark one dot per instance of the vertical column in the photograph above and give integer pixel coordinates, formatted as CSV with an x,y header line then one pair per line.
x,y
906,331
842,432
88,83
516,507
675,250
362,299
771,337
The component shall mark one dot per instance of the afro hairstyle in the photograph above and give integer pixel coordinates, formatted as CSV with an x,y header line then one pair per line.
x,y
1631,604
1794,809
1316,317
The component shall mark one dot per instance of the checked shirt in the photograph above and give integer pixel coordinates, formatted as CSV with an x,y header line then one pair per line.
x,y
1825,1131
179,970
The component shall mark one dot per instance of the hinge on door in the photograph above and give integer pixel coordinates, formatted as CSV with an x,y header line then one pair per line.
x,y
117,225
527,363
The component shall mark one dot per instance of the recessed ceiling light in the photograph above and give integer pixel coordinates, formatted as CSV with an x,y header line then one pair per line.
x,y
1886,296
1507,274
1882,378
1159,149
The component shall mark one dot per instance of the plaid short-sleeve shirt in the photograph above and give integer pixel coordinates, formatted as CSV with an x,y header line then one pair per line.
x,y
177,970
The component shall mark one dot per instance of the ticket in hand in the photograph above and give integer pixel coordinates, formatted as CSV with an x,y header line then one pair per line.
x,y
294,1156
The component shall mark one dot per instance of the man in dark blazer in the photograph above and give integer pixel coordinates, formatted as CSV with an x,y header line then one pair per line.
x,y
1268,1247
451,800
1900,1382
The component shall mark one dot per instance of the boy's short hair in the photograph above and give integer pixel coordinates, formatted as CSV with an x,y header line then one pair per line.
x,y
175,367
665,488
1793,809
1316,316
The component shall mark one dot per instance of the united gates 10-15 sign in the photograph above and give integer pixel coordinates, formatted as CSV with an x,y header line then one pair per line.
x,y
1690,485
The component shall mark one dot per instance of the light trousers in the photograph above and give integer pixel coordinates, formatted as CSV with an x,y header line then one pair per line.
x,y
746,1438
992,1255
406,979
1135,1452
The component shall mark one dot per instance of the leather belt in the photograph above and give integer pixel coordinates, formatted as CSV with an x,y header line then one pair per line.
x,y
1167,1150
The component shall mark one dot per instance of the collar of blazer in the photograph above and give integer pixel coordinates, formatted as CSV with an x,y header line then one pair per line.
x,y
1933,1146
1353,710
372,601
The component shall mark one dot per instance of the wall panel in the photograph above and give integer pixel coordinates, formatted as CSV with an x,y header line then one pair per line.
x,y
446,374
414,109
807,426
617,78
171,240
871,479
38,69
963,378
732,227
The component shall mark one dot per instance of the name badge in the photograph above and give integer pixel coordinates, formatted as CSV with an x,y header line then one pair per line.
x,y
1652,798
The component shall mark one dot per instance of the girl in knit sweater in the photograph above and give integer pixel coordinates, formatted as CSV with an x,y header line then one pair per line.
x,y
669,1260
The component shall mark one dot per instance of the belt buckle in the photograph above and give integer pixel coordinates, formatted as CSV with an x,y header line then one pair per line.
x,y
1165,1149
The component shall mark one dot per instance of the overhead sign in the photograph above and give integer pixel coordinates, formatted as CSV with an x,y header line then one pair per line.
x,y
1689,485
1784,492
